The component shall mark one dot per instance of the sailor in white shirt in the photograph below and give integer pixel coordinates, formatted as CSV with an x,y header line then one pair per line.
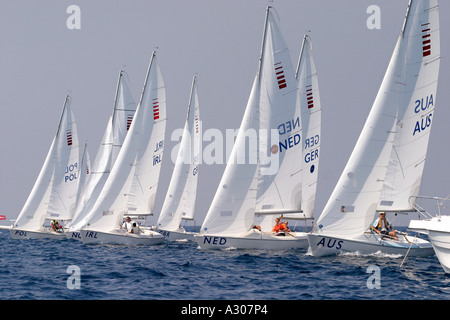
x,y
128,224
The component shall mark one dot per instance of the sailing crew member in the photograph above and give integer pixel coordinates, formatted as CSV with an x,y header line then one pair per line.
x,y
135,229
56,226
128,224
279,227
377,226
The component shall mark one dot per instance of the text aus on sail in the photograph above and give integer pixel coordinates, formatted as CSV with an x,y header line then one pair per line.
x,y
421,105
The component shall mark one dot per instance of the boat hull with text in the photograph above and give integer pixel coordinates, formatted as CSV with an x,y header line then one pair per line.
x,y
121,237
369,243
44,233
253,240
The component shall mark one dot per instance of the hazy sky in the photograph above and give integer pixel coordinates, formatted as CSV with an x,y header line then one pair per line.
x,y
42,60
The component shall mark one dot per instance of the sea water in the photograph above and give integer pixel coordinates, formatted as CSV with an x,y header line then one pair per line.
x,y
68,270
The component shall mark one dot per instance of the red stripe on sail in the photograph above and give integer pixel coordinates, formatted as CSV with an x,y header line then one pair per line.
x,y
309,96
155,109
426,44
69,138
129,120
280,75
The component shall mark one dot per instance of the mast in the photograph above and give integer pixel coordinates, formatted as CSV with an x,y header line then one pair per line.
x,y
146,78
263,45
67,100
300,56
117,94
406,18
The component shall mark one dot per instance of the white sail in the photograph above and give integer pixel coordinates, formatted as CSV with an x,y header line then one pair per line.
x,y
84,175
304,168
131,186
233,206
116,130
416,107
122,117
311,117
181,195
54,193
279,179
354,201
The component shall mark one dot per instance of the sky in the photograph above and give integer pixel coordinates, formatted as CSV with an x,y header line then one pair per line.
x,y
43,58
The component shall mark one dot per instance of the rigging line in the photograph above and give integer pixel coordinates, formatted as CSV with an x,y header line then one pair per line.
x,y
404,259
279,194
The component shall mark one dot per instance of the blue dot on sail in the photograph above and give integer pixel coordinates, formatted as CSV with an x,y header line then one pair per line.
x,y
312,169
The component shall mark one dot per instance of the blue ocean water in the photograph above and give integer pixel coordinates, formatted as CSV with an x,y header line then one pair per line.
x,y
40,269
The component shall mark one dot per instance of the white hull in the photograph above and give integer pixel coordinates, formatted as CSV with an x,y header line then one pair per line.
x,y
441,244
177,235
253,240
45,233
369,243
438,230
120,237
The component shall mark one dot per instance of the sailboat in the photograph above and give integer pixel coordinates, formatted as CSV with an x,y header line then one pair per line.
x,y
130,189
385,168
270,186
437,228
116,130
180,199
54,193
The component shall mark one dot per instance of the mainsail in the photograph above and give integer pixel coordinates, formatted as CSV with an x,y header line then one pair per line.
x,y
410,78
311,117
132,184
181,195
279,179
417,99
116,130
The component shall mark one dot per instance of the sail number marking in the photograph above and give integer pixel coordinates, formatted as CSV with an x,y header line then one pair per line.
x,y
71,172
422,105
331,243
